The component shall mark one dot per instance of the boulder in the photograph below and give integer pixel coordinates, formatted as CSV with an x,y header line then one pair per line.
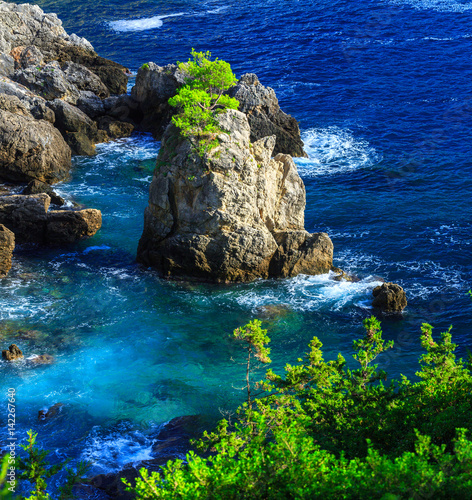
x,y
90,104
30,148
12,353
389,298
114,128
261,106
27,56
83,79
48,81
78,130
152,90
236,215
25,216
7,245
67,226
36,187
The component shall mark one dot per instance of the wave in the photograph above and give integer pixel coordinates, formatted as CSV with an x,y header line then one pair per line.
x,y
334,150
142,24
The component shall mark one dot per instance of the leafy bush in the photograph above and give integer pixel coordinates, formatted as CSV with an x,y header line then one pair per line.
x,y
202,98
325,431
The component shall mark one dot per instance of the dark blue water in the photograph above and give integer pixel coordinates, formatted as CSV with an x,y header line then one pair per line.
x,y
383,94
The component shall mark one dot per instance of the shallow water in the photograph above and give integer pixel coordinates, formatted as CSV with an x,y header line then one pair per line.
x,y
382,93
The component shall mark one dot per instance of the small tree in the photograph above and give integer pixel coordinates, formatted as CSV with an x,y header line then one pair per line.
x,y
201,99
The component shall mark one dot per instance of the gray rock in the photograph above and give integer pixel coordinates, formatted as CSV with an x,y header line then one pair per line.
x,y
30,149
78,130
49,82
389,298
152,90
238,215
25,57
7,245
7,65
90,104
83,79
25,216
261,106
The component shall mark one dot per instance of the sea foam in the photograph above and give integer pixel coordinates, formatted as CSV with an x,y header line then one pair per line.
x,y
143,24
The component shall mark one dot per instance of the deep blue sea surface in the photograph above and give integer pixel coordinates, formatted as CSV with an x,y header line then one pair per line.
x,y
383,93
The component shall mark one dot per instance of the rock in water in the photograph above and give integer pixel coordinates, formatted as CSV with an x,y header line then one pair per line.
x,y
12,353
261,106
7,245
66,226
236,216
389,298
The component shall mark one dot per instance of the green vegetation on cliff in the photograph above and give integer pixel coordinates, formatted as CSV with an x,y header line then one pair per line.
x,y
325,431
202,98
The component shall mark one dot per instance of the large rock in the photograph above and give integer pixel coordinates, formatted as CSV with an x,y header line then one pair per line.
x,y
29,148
66,226
48,81
78,130
7,245
152,90
236,216
389,298
261,106
26,216
37,187
84,79
12,353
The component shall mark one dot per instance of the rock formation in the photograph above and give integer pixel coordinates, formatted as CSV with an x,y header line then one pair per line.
x,y
265,117
389,298
12,353
28,218
237,216
7,245
155,85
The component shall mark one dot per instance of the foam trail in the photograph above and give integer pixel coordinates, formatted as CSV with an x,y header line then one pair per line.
x,y
438,5
333,150
143,24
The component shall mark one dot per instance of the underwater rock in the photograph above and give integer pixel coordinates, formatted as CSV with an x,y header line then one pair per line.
x,y
41,359
46,414
236,216
265,117
7,245
389,298
12,353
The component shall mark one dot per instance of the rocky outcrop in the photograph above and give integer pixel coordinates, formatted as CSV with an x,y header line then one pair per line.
x,y
12,353
237,216
30,148
78,130
37,187
67,226
389,298
265,117
7,245
154,86
28,218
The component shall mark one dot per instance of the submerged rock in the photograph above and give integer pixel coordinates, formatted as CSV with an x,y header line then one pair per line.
x,y
41,359
265,117
389,298
12,353
7,245
237,216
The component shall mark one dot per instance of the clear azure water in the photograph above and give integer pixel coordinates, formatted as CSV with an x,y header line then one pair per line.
x,y
382,91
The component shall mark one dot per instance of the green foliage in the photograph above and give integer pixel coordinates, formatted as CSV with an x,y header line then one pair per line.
x,y
324,431
201,99
36,469
5,487
145,66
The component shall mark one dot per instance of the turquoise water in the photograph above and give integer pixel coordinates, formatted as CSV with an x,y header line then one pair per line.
x,y
382,93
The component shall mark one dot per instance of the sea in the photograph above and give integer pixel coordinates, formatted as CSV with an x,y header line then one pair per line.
x,y
382,90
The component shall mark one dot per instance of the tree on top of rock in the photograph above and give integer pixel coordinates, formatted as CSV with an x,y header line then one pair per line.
x,y
202,98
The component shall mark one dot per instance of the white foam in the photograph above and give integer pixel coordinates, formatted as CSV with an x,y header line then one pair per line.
x,y
143,24
334,150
